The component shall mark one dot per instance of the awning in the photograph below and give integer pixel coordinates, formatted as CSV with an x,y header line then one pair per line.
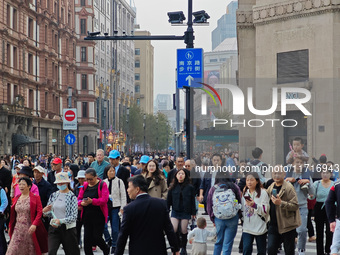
x,y
22,140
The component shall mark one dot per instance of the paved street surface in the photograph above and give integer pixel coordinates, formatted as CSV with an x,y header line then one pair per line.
x,y
310,249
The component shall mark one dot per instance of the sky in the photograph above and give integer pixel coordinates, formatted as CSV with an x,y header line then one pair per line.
x,y
152,16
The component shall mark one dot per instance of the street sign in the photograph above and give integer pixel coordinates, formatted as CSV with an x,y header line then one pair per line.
x,y
70,139
70,119
189,67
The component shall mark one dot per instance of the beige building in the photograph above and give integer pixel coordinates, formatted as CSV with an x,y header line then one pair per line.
x,y
290,44
144,65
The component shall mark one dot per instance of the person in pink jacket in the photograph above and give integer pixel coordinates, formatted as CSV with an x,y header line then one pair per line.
x,y
93,199
26,171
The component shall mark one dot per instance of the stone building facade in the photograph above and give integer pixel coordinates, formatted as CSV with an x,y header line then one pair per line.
x,y
286,44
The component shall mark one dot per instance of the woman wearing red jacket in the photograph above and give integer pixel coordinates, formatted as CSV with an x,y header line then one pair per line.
x,y
93,198
26,230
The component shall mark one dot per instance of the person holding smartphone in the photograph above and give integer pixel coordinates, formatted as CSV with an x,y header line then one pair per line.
x,y
284,214
255,208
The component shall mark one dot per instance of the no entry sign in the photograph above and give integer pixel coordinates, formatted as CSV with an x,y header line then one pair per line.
x,y
70,119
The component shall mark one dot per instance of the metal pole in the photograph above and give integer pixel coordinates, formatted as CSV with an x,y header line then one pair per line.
x,y
189,40
144,131
157,132
70,106
177,138
128,130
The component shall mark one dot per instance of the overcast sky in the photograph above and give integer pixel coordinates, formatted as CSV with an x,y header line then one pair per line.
x,y
152,16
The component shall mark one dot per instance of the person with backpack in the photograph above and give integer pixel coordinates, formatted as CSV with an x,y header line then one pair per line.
x,y
223,205
322,188
255,207
181,197
62,207
93,198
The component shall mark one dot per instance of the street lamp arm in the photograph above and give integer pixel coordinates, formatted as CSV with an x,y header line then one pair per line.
x,y
136,38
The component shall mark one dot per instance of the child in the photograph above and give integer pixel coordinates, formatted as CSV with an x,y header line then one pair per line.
x,y
297,151
199,235
333,214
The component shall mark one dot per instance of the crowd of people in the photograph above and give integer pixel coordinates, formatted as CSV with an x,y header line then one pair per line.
x,y
47,200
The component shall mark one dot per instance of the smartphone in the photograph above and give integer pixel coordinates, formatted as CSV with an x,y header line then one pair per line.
x,y
85,199
274,192
247,198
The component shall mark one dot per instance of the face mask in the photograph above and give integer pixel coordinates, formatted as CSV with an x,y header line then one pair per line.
x,y
62,187
69,174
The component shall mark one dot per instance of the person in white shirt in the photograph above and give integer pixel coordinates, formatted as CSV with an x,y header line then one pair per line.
x,y
199,236
255,207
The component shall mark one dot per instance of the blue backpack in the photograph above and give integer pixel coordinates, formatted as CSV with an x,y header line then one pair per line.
x,y
225,203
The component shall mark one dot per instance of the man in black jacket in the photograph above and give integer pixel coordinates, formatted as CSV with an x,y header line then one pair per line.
x,y
144,221
179,165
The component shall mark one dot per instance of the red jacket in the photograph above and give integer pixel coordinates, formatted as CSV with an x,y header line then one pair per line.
x,y
103,197
40,236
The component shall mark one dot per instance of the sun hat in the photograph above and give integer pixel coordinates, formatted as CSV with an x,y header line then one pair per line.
x,y
39,168
81,174
62,178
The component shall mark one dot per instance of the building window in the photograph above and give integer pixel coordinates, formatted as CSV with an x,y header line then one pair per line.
x,y
85,144
8,51
8,15
57,105
30,99
46,101
15,19
53,46
46,68
84,110
137,76
214,60
137,89
67,51
74,50
82,3
292,66
138,101
69,20
84,81
9,96
30,28
137,63
56,41
55,7
15,57
137,51
45,33
83,26
30,63
83,54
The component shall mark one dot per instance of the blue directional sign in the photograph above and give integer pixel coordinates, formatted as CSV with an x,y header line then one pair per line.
x,y
70,139
189,67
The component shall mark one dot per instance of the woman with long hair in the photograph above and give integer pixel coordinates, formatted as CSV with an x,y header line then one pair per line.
x,y
181,197
26,230
155,179
255,207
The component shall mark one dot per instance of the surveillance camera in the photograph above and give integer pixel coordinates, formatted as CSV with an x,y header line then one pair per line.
x,y
123,32
115,32
93,33
106,34
132,32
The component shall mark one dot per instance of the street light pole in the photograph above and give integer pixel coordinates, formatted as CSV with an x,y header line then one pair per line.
x,y
144,117
157,131
128,130
189,40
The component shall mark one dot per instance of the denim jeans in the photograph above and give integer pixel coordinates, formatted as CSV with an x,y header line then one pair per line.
x,y
261,243
114,221
226,232
302,230
336,238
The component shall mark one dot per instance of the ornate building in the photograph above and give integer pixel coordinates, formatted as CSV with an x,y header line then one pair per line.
x,y
38,64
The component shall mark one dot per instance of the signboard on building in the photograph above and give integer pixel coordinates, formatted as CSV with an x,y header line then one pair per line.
x,y
70,119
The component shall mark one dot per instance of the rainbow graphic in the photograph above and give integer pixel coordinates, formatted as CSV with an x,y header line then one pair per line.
x,y
204,97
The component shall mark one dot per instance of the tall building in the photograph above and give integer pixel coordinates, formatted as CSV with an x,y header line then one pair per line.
x,y
226,25
85,92
163,102
144,66
103,17
285,45
38,64
123,70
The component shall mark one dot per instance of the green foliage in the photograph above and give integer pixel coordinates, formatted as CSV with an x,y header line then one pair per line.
x,y
153,129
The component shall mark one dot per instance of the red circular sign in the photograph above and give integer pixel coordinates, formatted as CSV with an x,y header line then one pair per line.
x,y
70,115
